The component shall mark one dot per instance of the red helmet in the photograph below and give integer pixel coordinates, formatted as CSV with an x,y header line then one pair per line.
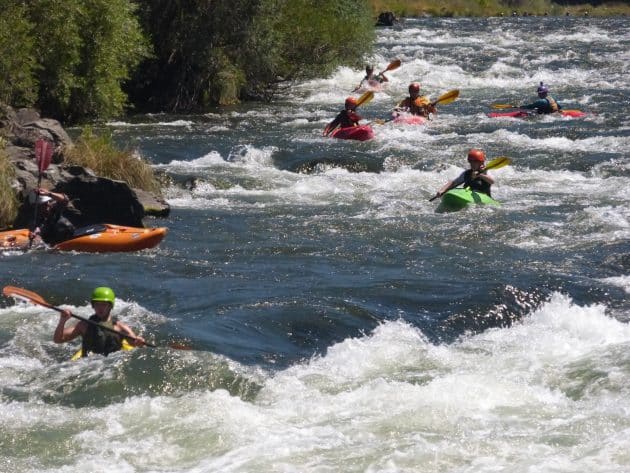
x,y
351,102
414,87
476,155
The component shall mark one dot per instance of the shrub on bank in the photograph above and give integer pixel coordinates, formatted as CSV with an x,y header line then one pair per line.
x,y
98,153
8,200
497,7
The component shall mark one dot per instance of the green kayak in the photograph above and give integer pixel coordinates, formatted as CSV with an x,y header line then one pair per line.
x,y
457,199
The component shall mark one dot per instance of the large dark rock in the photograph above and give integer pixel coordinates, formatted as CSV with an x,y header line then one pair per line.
x,y
386,18
98,199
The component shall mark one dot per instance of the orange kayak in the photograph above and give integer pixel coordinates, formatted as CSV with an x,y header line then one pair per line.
x,y
100,238
14,239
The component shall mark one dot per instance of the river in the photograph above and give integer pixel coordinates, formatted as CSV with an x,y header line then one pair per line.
x,y
337,321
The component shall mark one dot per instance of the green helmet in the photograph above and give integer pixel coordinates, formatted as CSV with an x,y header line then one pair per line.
x,y
103,294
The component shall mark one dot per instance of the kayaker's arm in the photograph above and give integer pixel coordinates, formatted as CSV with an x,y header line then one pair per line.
x,y
483,176
134,339
448,186
332,125
65,334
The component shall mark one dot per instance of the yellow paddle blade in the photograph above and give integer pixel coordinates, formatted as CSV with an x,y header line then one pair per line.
x,y
499,162
502,106
448,97
365,98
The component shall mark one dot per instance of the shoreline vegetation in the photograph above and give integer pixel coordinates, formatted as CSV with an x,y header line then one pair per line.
x,y
490,8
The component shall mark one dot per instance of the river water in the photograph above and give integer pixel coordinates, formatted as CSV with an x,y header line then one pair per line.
x,y
337,321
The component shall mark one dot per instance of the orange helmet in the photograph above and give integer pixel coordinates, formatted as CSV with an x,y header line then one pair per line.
x,y
476,155
414,87
351,102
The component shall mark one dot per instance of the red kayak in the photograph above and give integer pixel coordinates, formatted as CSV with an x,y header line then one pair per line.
x,y
360,133
102,238
530,113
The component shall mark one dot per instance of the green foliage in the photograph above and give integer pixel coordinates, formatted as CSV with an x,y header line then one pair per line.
x,y
69,57
18,85
8,199
197,48
301,39
99,154
86,50
499,7
222,50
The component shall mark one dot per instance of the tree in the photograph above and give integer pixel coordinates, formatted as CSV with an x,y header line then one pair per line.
x,y
18,64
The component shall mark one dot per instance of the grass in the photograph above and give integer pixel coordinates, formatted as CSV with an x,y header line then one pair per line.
x,y
8,199
98,153
411,8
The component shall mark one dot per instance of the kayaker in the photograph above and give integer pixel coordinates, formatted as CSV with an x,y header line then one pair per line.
x,y
94,338
371,77
54,217
545,103
416,104
346,118
476,177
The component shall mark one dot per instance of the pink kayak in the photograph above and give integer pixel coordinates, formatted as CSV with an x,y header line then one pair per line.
x,y
409,119
360,133
531,113
372,85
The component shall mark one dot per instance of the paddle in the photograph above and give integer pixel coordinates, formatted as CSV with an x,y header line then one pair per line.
x,y
33,297
496,163
43,155
395,64
444,99
502,106
365,98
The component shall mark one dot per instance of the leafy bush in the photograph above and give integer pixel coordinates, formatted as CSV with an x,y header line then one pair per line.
x,y
86,49
8,200
301,39
226,50
69,57
99,154
18,85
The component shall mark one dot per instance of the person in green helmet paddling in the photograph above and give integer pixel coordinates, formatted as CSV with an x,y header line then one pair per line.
x,y
98,337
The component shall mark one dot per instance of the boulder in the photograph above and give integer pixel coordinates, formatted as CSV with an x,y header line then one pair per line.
x,y
97,199
386,18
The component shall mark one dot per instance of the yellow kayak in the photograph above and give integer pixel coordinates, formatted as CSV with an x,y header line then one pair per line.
x,y
125,347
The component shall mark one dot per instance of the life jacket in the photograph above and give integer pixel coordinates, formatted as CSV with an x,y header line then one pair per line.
x,y
348,118
98,340
553,105
419,106
477,184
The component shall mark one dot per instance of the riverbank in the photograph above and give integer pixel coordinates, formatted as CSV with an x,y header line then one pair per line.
x,y
417,8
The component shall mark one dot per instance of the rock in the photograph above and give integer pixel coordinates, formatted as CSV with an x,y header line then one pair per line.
x,y
386,19
97,199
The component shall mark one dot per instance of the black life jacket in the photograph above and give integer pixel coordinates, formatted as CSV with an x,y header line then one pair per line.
x,y
477,184
98,340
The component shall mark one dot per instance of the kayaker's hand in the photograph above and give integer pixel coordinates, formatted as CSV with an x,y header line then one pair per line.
x,y
64,315
138,342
